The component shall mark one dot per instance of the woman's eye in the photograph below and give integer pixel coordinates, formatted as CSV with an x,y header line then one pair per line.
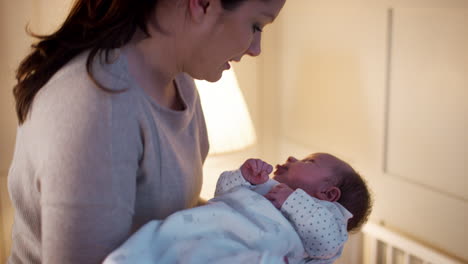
x,y
256,28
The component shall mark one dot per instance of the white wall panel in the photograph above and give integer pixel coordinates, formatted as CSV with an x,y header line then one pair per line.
x,y
428,114
332,95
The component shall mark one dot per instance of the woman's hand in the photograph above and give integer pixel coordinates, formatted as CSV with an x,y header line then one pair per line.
x,y
278,194
256,171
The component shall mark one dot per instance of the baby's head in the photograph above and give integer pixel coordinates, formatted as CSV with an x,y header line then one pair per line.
x,y
326,177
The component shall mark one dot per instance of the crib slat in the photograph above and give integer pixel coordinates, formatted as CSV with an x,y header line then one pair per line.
x,y
407,258
373,250
409,247
389,254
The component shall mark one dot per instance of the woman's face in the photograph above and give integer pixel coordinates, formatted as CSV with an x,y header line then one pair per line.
x,y
232,35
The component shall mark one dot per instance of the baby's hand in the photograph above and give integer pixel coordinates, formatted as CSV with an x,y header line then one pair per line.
x,y
278,194
256,171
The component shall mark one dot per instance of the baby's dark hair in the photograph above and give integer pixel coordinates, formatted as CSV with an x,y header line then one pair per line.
x,y
355,197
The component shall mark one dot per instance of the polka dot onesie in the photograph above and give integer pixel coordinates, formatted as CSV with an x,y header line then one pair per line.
x,y
321,225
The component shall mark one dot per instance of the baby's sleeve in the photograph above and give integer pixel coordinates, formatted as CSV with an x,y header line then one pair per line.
x,y
230,179
322,232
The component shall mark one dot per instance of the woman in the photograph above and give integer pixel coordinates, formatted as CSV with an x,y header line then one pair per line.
x,y
111,130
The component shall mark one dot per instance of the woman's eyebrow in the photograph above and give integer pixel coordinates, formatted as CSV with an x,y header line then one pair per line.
x,y
269,15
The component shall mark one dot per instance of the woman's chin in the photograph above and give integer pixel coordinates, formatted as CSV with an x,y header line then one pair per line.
x,y
214,77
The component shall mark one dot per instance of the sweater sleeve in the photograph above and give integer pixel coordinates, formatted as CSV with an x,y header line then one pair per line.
x,y
86,176
230,179
322,232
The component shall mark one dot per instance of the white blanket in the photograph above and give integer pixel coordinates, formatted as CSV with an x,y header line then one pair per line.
x,y
238,227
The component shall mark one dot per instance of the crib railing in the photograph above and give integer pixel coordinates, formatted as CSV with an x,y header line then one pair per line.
x,y
387,247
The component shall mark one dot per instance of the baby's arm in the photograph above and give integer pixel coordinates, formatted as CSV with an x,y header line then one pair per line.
x,y
252,172
229,180
279,194
323,234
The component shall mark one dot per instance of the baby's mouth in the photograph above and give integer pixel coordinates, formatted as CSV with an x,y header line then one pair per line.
x,y
280,169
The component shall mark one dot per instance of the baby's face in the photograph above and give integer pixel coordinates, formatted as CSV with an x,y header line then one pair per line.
x,y
312,174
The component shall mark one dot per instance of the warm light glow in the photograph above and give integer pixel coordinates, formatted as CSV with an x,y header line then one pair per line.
x,y
228,121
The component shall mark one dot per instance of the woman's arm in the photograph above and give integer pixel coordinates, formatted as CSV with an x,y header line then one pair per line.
x,y
86,171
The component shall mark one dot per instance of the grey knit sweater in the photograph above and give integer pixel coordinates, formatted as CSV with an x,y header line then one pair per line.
x,y
92,166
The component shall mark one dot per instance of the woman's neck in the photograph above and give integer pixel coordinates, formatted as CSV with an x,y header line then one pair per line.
x,y
152,63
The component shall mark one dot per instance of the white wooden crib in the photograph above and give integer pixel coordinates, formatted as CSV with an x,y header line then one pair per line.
x,y
387,247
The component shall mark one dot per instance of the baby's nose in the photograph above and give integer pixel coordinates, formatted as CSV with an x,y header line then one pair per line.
x,y
292,159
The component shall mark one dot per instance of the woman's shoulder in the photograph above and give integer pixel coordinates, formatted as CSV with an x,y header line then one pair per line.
x,y
101,92
106,70
106,75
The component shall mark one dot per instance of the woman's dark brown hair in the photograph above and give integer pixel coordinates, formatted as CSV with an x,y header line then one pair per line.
x,y
94,25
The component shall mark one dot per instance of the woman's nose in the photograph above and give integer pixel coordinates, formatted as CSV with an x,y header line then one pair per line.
x,y
292,159
255,47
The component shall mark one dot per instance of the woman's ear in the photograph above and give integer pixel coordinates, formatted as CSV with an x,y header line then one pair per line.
x,y
331,194
198,8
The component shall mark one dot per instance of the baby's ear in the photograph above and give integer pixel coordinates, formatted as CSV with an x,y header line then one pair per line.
x,y
331,194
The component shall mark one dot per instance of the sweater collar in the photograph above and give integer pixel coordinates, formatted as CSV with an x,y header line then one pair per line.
x,y
112,73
